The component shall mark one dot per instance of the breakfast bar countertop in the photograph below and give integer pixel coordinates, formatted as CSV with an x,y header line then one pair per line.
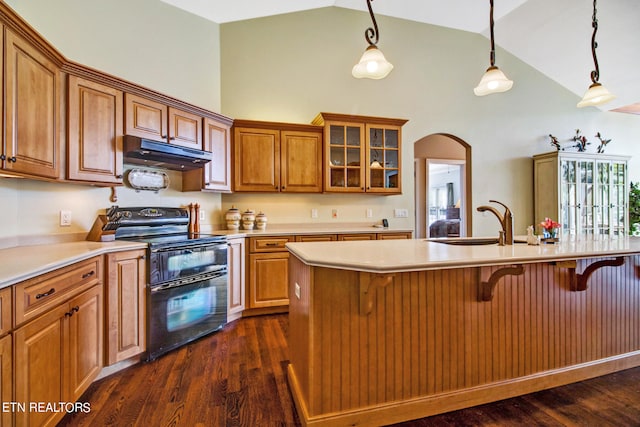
x,y
420,254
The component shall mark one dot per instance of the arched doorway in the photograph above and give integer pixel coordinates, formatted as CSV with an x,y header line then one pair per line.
x,y
442,186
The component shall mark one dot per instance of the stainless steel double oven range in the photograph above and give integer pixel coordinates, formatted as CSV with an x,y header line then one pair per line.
x,y
186,275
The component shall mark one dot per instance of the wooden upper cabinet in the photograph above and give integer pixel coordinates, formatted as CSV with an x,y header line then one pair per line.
x,y
185,129
277,157
94,150
145,118
362,154
256,159
216,175
301,161
153,120
32,110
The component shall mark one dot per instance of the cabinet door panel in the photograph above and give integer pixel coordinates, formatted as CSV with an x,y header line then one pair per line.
x,y
217,140
85,340
269,280
301,161
32,110
236,265
185,129
145,118
257,159
95,132
6,378
126,305
39,346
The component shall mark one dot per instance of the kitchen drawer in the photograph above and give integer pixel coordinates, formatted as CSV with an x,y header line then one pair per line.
x,y
394,236
269,244
37,295
317,238
5,310
359,236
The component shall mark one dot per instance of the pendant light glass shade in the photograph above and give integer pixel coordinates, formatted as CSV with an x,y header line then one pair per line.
x,y
493,81
595,95
372,65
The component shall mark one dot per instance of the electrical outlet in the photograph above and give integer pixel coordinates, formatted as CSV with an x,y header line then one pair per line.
x,y
202,215
297,290
400,213
334,213
314,213
65,218
369,213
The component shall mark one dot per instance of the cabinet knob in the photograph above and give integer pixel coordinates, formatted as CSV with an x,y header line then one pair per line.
x,y
172,138
3,157
282,187
12,159
164,136
118,176
143,257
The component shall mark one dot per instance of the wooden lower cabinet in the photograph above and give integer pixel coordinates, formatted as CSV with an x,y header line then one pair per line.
x,y
125,305
60,353
268,271
269,279
6,376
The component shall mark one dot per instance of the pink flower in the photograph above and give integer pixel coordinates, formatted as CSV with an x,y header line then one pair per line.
x,y
549,224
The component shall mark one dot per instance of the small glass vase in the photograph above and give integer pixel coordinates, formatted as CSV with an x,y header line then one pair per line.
x,y
550,236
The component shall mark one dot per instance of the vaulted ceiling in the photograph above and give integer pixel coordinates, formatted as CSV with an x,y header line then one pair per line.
x,y
545,34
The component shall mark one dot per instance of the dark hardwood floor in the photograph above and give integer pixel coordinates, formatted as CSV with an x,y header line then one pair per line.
x,y
237,377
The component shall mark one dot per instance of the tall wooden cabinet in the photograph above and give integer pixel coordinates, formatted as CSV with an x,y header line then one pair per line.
x,y
236,268
94,146
32,110
587,193
125,305
277,157
362,154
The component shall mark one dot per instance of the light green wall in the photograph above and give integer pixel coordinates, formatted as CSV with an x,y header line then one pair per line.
x,y
290,67
147,42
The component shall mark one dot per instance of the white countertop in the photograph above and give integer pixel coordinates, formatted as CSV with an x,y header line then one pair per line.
x,y
420,254
24,262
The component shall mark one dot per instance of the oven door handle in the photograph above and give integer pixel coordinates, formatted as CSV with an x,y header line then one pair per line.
x,y
193,279
192,246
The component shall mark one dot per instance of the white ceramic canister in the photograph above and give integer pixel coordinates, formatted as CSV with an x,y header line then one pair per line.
x,y
233,218
248,219
261,221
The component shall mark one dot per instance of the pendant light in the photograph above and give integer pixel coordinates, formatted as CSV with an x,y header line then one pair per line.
x,y
596,94
373,64
493,80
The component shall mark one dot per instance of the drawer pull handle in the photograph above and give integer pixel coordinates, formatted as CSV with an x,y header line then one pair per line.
x,y
273,244
46,294
89,274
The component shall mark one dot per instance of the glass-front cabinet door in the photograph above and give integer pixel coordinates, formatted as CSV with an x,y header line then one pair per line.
x,y
593,196
346,157
383,159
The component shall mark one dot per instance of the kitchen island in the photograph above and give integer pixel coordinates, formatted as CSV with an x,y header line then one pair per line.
x,y
387,331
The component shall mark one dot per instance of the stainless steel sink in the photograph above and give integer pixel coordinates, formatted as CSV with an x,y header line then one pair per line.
x,y
471,241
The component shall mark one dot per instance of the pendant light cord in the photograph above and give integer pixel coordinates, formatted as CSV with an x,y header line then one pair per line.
x,y
372,32
595,74
492,55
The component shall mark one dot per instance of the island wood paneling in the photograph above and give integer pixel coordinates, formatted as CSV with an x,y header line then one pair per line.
x,y
431,342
